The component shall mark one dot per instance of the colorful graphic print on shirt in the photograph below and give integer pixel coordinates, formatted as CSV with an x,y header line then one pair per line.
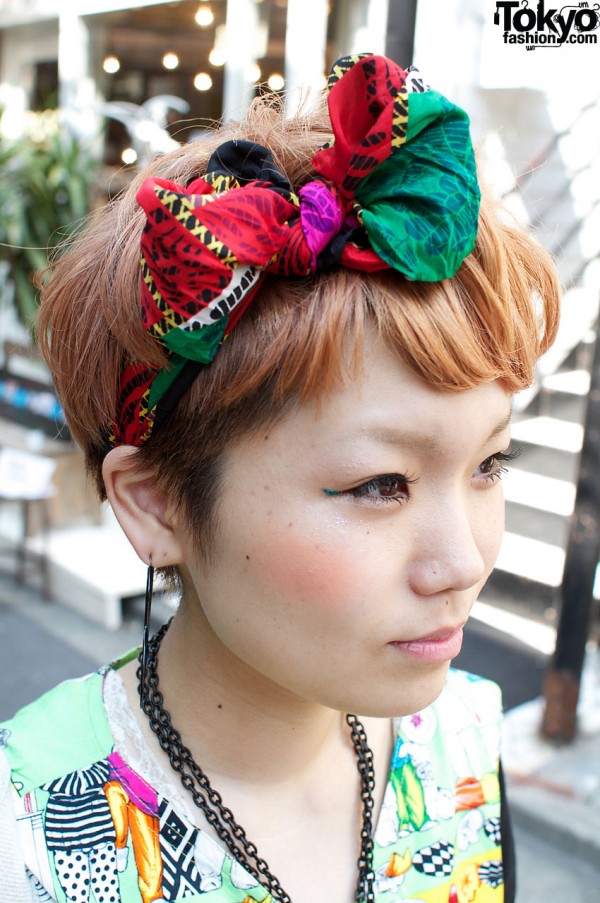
x,y
101,834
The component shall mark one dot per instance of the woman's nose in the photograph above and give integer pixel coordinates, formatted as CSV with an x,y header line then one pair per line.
x,y
447,554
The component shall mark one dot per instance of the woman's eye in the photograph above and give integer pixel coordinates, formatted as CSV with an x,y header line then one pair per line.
x,y
493,468
390,487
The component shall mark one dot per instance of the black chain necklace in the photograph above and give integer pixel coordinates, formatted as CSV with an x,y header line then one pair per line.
x,y
210,802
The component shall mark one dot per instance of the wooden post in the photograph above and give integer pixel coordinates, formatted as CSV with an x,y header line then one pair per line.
x,y
400,37
563,678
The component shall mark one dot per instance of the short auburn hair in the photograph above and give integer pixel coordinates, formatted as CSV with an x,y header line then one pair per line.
x,y
299,337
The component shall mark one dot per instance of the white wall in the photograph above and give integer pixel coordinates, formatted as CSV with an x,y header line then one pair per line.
x,y
448,39
20,49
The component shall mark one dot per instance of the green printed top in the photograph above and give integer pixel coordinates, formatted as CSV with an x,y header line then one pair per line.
x,y
94,830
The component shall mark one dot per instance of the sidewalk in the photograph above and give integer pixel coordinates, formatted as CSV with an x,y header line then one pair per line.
x,y
554,791
43,643
554,794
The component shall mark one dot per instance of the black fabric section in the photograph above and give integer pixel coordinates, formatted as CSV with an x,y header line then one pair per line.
x,y
248,162
176,390
105,443
508,844
331,255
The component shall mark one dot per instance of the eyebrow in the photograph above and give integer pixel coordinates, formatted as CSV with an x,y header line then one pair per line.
x,y
419,441
504,423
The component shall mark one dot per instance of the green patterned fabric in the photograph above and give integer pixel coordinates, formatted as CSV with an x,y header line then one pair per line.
x,y
420,205
437,838
396,187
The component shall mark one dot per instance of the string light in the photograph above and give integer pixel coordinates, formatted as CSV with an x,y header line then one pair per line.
x,y
276,81
204,17
128,156
170,61
203,81
217,57
253,74
111,64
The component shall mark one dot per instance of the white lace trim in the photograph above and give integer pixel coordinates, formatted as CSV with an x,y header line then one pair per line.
x,y
131,744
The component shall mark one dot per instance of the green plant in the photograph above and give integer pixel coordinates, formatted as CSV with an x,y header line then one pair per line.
x,y
46,178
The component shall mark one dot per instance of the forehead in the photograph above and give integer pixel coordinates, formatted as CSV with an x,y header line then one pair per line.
x,y
388,400
387,405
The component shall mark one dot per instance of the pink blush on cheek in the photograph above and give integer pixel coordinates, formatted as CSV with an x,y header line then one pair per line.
x,y
306,571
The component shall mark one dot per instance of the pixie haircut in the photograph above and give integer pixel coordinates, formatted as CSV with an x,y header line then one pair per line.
x,y
299,338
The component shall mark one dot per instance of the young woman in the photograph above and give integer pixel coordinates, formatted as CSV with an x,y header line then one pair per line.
x,y
321,476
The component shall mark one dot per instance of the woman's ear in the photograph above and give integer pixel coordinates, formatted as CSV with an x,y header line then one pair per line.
x,y
141,508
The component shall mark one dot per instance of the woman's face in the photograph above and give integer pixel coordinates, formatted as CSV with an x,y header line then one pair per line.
x,y
353,540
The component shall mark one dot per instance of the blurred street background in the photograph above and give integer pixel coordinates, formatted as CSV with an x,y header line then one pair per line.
x,y
90,90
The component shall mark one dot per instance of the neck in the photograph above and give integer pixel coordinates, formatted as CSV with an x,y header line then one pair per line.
x,y
258,731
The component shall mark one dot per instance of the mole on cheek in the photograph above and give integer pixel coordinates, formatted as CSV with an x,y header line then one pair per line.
x,y
247,558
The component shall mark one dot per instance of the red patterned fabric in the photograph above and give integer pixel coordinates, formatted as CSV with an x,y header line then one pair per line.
x,y
366,102
208,245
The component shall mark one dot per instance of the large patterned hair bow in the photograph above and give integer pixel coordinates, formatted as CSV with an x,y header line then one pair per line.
x,y
396,188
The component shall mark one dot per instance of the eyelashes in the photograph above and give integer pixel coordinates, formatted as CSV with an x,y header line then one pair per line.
x,y
389,487
395,487
493,468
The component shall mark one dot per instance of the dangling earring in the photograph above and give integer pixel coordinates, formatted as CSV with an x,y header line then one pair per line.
x,y
147,610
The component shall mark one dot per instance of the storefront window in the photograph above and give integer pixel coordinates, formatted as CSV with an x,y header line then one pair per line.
x,y
177,50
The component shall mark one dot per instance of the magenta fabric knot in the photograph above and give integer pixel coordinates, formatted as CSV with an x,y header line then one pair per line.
x,y
321,218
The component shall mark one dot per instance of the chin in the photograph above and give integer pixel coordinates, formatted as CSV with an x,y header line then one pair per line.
x,y
415,697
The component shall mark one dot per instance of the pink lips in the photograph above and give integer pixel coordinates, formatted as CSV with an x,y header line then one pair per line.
x,y
437,647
